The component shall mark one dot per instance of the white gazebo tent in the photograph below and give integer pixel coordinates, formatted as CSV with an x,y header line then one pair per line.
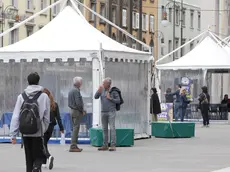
x,y
208,55
70,36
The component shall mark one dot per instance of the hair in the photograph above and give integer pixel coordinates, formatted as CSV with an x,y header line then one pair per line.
x,y
33,78
108,80
179,85
204,89
181,90
52,102
154,90
77,80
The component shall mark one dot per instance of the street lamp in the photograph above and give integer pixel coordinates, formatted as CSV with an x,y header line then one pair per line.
x,y
173,4
156,34
10,12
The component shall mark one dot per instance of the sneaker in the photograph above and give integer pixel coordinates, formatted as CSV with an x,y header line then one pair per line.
x,y
51,162
44,166
103,148
36,169
207,126
75,149
113,148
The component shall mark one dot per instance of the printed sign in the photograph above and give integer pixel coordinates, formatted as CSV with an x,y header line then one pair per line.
x,y
166,112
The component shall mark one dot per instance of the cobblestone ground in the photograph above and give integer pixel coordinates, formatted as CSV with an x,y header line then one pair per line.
x,y
208,151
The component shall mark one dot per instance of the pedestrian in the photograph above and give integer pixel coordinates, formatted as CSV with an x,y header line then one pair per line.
x,y
155,106
184,104
177,102
31,116
54,119
76,105
109,99
204,101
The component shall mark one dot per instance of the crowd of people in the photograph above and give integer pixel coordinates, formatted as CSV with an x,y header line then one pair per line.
x,y
180,103
36,113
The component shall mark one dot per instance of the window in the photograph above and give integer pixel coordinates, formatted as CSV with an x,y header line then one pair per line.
x,y
183,48
199,20
177,46
170,15
137,20
14,3
183,17
162,12
43,4
102,12
144,22
177,16
162,51
30,4
93,7
169,46
134,20
191,18
124,17
151,23
191,45
162,40
56,8
114,13
29,30
13,35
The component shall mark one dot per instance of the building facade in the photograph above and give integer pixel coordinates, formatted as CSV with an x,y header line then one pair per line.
x,y
187,26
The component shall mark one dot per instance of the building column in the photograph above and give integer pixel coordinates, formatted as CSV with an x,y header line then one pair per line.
x,y
130,22
109,17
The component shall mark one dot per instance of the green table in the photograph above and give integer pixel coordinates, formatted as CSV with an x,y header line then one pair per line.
x,y
125,137
173,130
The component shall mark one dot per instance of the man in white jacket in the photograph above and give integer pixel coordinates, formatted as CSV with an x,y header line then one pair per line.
x,y
33,143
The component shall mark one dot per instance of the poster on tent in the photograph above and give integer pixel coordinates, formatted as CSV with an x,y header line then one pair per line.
x,y
166,112
188,85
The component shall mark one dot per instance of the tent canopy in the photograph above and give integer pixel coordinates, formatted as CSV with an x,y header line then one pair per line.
x,y
206,55
65,35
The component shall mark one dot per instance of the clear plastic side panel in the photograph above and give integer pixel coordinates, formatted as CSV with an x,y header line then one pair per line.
x,y
131,79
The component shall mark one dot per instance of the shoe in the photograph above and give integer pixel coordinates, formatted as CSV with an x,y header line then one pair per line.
x,y
203,126
103,148
44,166
36,169
113,148
207,126
75,149
51,162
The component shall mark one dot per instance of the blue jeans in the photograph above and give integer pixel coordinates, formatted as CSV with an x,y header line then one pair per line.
x,y
182,115
177,110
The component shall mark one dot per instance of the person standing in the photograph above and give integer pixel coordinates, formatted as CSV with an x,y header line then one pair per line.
x,y
204,101
76,105
109,98
54,119
35,107
184,104
177,102
155,107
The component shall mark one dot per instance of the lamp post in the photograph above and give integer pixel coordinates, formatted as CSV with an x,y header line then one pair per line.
x,y
9,11
173,4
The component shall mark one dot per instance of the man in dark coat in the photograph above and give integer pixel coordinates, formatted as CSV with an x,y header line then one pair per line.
x,y
155,107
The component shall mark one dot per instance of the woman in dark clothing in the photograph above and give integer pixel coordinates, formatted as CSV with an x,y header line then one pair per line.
x,y
168,96
184,104
54,119
155,107
204,100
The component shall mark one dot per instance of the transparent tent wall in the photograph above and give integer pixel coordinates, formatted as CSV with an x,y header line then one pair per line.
x,y
132,79
57,77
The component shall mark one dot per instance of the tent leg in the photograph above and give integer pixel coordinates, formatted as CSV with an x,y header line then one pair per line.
x,y
148,99
204,77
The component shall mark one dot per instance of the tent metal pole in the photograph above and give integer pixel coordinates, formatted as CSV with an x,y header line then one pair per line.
x,y
181,47
30,18
114,25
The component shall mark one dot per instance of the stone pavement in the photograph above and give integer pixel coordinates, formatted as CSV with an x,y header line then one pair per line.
x,y
208,151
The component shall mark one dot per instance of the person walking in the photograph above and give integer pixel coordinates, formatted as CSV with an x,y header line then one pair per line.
x,y
54,119
184,104
109,98
155,107
76,105
204,101
31,116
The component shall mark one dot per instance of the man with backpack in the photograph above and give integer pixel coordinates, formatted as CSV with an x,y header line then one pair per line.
x,y
110,103
31,117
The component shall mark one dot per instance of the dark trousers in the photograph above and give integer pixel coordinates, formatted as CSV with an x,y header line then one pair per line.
x,y
47,137
34,152
76,117
204,111
182,115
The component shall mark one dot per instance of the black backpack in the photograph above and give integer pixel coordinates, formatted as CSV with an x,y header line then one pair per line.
x,y
29,119
118,106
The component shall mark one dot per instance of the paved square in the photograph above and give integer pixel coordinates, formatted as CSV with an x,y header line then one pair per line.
x,y
208,151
